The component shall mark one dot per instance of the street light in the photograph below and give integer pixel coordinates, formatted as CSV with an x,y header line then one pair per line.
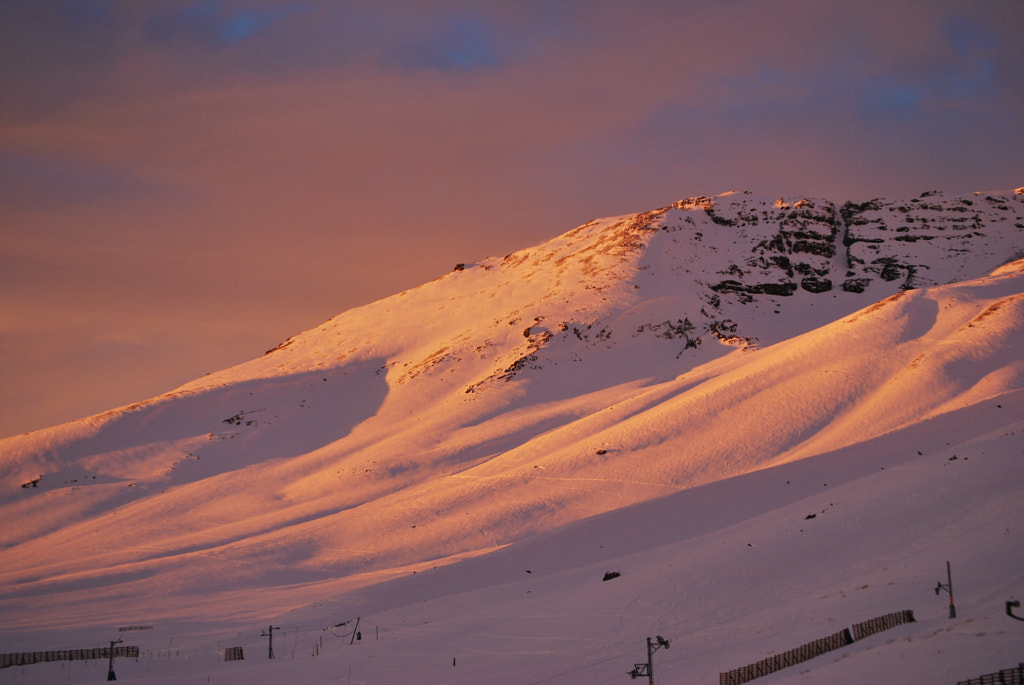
x,y
647,669
110,663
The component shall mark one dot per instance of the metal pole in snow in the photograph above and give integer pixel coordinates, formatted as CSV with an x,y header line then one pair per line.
x,y
949,581
270,642
650,663
948,587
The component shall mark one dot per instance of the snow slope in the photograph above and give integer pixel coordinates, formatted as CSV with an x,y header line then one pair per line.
x,y
669,395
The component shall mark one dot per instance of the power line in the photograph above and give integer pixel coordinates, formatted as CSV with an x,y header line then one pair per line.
x,y
580,668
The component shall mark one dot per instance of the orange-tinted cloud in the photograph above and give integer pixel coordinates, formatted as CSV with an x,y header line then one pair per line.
x,y
185,184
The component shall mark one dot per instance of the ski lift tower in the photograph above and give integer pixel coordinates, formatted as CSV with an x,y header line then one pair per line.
x,y
647,669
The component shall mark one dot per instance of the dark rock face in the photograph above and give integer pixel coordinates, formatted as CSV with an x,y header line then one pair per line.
x,y
797,248
737,249
783,289
816,244
901,240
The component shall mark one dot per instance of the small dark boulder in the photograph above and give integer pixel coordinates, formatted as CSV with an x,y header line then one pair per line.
x,y
816,285
784,289
855,285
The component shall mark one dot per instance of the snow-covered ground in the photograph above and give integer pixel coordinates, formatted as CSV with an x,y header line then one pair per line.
x,y
674,396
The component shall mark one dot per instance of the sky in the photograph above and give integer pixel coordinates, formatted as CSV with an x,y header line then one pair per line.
x,y
185,184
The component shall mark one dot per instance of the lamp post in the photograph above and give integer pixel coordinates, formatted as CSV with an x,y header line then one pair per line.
x,y
948,587
110,663
647,669
1010,604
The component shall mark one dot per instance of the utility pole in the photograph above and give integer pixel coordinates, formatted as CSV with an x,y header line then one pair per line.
x,y
270,642
110,663
648,668
948,587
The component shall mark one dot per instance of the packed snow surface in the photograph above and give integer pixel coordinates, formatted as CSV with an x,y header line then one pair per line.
x,y
771,418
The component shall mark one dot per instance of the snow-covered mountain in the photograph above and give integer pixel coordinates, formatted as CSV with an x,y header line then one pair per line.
x,y
673,392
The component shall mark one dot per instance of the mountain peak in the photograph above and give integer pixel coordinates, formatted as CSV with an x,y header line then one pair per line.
x,y
629,358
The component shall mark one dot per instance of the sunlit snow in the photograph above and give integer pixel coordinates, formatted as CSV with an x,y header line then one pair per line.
x,y
772,418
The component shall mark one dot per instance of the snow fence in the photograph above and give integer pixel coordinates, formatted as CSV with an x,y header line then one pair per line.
x,y
1008,676
844,637
25,658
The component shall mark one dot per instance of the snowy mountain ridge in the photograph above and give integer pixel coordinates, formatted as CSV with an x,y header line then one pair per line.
x,y
710,254
633,360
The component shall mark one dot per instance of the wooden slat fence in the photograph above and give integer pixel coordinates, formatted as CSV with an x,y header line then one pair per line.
x,y
1008,676
234,654
844,637
778,662
25,658
877,625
